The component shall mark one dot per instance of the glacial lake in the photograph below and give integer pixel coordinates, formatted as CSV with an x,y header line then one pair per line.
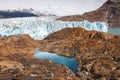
x,y
69,62
115,31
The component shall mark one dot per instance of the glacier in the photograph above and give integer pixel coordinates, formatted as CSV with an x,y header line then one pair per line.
x,y
39,28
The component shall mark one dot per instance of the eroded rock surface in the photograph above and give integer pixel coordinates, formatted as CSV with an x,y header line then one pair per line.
x,y
109,13
97,54
17,61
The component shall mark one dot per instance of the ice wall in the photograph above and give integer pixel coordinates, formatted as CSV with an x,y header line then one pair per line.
x,y
39,28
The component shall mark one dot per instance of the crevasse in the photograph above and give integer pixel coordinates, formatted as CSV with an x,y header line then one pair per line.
x,y
40,28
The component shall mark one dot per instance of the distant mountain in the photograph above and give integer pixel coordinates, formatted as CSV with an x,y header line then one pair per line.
x,y
22,13
109,13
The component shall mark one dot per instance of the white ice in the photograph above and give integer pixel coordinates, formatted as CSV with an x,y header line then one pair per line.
x,y
39,28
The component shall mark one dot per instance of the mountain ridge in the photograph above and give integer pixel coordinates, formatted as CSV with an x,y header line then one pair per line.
x,y
21,12
109,13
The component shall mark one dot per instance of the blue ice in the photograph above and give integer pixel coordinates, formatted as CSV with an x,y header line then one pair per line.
x,y
39,29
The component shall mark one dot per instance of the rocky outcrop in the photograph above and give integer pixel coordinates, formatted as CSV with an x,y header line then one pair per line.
x,y
97,54
17,44
109,13
17,61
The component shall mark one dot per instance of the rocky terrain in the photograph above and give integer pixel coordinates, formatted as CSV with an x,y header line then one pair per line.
x,y
17,61
97,55
109,13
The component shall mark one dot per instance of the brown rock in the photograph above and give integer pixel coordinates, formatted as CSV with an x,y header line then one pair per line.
x,y
17,61
97,53
109,13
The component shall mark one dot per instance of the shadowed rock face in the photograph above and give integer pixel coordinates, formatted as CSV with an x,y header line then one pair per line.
x,y
109,13
97,54
14,14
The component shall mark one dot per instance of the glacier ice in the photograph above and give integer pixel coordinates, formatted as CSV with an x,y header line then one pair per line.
x,y
39,28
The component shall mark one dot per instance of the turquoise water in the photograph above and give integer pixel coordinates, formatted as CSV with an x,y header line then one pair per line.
x,y
69,62
114,31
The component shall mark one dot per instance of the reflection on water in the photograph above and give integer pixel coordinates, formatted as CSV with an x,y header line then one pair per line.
x,y
69,62
114,31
